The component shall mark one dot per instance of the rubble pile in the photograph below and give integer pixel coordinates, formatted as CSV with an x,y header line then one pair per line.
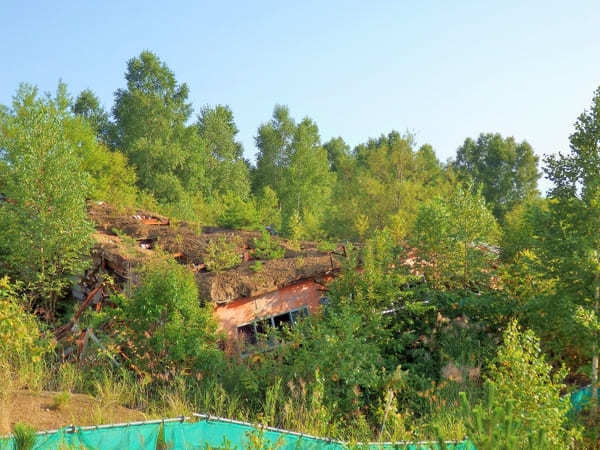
x,y
124,240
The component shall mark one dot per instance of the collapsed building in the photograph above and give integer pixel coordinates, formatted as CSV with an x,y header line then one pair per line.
x,y
246,301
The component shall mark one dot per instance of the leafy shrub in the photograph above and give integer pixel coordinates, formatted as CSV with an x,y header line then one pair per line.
x,y
237,213
256,266
267,248
163,327
522,402
222,255
326,246
22,345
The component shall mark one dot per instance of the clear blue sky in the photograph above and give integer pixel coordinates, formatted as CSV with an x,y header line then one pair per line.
x,y
444,70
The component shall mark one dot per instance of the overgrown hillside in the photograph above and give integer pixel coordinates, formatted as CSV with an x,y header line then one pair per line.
x,y
465,303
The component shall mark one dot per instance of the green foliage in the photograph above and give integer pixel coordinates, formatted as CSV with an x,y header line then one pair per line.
x,y
24,436
523,402
168,330
223,254
252,213
382,185
567,239
453,240
60,400
268,208
238,214
226,169
87,105
293,163
111,178
22,344
505,170
266,247
256,266
44,231
150,128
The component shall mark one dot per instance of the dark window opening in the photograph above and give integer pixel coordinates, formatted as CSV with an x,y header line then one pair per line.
x,y
299,314
250,332
282,319
247,333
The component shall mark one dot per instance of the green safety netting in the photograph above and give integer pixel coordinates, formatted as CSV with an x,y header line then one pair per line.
x,y
209,433
140,436
215,433
580,398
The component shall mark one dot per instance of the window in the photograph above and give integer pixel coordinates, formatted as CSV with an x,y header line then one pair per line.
x,y
250,331
299,314
247,333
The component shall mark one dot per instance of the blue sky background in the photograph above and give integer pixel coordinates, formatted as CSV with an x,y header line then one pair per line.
x,y
444,70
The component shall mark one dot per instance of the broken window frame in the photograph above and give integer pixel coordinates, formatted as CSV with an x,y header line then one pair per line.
x,y
259,329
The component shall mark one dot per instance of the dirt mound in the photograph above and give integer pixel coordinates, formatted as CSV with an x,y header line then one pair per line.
x,y
36,410
244,282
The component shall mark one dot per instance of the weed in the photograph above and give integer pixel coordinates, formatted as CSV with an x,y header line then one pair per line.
x,y
60,401
256,266
267,248
24,436
222,255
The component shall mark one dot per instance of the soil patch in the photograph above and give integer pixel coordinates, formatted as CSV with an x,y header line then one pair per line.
x,y
36,410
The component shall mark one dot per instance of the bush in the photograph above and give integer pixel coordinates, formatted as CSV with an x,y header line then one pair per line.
x,y
222,255
522,402
163,327
266,247
238,214
22,345
59,401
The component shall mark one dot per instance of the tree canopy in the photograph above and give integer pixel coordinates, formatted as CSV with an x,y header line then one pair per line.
x,y
505,169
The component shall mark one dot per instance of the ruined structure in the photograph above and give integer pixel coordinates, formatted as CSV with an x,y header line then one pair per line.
x,y
246,300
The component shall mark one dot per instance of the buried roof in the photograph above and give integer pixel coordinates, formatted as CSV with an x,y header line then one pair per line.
x,y
125,240
242,281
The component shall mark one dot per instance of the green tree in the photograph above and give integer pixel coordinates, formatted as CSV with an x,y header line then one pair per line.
x,y
505,169
88,106
44,231
385,181
293,163
111,178
22,343
569,234
523,407
150,128
337,151
163,326
272,140
308,180
453,239
226,169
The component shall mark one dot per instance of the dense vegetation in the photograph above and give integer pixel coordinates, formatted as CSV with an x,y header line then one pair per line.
x,y
468,303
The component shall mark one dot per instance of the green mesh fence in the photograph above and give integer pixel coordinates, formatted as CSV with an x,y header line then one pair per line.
x,y
217,433
139,436
580,398
207,433
225,434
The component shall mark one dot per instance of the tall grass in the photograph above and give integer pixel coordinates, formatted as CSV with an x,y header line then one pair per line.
x,y
24,436
297,405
